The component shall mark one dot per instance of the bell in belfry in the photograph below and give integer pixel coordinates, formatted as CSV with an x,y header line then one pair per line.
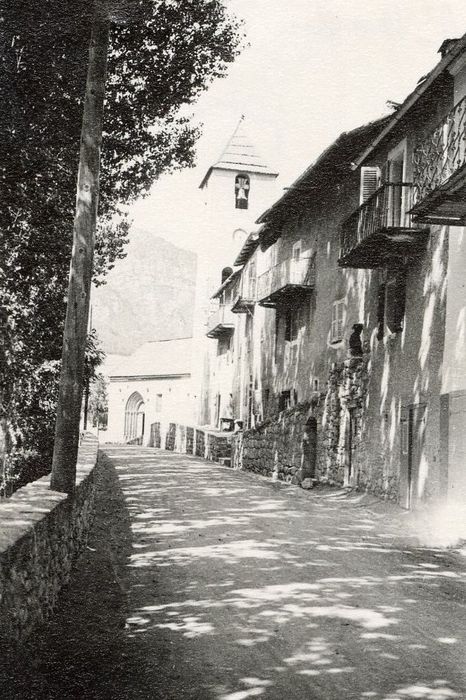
x,y
242,191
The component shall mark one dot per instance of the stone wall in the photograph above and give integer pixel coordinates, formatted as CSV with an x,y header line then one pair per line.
x,y
213,445
41,534
274,448
155,435
189,440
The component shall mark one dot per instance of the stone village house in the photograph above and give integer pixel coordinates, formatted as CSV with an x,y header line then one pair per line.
x,y
344,324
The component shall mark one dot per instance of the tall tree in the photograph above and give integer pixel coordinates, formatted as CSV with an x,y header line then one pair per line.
x,y
156,68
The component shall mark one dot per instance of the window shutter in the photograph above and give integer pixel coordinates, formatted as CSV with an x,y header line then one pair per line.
x,y
370,181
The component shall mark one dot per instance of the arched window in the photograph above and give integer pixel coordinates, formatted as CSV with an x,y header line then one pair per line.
x,y
242,186
134,417
226,272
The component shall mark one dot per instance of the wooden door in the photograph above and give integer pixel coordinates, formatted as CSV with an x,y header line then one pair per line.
x,y
413,421
309,449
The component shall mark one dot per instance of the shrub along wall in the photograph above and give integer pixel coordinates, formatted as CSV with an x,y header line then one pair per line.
x,y
41,534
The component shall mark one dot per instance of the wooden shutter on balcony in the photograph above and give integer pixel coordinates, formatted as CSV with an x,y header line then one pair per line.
x,y
370,181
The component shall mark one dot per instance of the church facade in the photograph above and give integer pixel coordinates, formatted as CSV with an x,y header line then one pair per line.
x,y
151,386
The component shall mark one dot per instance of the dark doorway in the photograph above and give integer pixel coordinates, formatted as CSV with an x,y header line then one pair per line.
x,y
310,449
350,432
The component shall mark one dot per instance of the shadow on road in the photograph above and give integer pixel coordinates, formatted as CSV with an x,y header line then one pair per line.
x,y
203,583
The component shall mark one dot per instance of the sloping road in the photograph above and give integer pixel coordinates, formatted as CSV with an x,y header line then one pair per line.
x,y
204,583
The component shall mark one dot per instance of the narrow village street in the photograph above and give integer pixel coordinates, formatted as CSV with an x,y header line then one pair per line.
x,y
202,582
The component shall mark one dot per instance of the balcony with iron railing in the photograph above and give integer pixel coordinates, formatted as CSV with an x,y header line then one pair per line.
x,y
439,172
221,321
381,232
286,281
246,297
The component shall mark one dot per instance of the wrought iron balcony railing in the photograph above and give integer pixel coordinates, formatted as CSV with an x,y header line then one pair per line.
x,y
437,161
380,229
286,280
246,297
220,322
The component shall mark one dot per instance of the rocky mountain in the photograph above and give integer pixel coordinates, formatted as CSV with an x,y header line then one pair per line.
x,y
149,295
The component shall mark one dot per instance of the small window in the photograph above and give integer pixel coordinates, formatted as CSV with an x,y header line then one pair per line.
x,y
370,182
252,280
242,191
338,320
295,320
297,251
315,385
223,345
266,398
158,402
404,436
395,302
381,311
291,324
284,400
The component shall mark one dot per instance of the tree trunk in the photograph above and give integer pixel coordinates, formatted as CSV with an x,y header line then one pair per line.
x,y
86,403
74,339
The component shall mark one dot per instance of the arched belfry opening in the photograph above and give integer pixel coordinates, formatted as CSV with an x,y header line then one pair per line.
x,y
134,418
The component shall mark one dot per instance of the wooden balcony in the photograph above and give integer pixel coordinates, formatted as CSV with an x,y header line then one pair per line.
x,y
221,322
380,232
286,282
439,172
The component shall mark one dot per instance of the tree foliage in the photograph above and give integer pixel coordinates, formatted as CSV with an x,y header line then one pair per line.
x,y
159,63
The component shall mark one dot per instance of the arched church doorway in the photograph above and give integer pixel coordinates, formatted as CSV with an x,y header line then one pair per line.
x,y
310,449
134,418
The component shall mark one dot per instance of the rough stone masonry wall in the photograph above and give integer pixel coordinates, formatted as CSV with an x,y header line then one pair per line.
x,y
346,391
273,446
41,534
276,444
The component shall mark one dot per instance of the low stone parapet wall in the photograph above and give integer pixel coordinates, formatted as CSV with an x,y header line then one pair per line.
x,y
213,445
41,534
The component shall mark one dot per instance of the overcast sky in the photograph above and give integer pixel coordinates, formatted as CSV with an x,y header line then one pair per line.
x,y
314,68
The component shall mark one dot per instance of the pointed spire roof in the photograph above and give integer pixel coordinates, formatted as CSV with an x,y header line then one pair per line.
x,y
240,154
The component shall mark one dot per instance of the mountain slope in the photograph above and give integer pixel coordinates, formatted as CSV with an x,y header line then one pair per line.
x,y
148,296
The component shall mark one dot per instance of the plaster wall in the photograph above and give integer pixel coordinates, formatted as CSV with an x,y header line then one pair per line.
x,y
454,361
177,404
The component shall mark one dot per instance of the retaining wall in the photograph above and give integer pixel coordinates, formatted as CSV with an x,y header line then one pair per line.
x,y
275,447
41,534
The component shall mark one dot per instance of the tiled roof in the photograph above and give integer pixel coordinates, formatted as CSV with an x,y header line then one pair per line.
x,y
249,246
240,154
157,358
